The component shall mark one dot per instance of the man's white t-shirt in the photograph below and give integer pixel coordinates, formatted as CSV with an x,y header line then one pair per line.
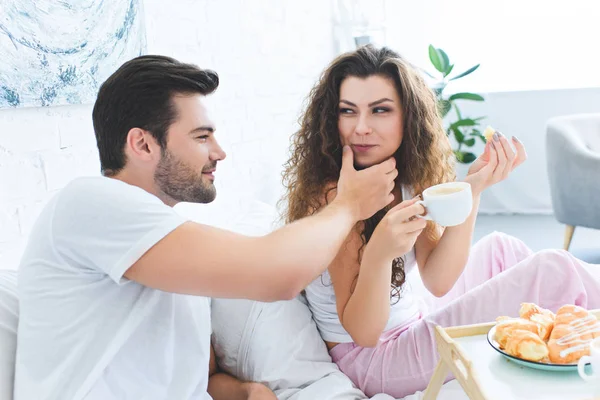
x,y
85,331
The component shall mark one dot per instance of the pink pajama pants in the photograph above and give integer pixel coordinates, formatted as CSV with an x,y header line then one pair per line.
x,y
502,272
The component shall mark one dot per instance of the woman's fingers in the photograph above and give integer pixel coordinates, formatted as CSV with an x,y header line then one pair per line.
x,y
521,153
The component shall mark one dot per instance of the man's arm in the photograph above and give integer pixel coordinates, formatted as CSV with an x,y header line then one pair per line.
x,y
222,386
202,260
225,387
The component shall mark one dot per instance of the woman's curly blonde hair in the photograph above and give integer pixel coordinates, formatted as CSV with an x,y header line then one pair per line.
x,y
424,159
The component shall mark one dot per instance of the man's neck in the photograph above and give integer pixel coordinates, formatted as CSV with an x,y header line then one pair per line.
x,y
144,182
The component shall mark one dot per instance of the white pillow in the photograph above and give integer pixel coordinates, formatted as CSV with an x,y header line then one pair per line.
x,y
274,343
9,318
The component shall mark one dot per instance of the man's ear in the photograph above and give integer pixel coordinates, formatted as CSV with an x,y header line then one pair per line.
x,y
141,145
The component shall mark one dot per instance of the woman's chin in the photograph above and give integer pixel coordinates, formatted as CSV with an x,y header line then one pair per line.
x,y
366,162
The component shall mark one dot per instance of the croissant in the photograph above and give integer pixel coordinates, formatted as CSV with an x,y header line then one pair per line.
x,y
526,345
574,329
506,326
544,318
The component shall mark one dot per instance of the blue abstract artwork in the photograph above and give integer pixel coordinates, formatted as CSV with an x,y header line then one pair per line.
x,y
57,52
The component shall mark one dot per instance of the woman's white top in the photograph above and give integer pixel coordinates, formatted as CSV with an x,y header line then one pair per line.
x,y
322,302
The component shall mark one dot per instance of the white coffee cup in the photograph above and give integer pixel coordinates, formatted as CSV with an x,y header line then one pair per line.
x,y
448,204
594,360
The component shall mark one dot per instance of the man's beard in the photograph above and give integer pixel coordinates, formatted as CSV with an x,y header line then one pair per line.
x,y
181,182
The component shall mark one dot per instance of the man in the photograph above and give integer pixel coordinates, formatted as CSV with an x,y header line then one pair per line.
x,y
114,284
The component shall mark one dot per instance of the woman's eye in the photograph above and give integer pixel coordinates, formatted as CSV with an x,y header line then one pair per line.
x,y
379,110
346,111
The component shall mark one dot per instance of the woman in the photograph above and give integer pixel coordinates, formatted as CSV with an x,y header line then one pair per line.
x,y
374,102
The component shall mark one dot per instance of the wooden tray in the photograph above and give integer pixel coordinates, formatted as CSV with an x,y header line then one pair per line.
x,y
484,374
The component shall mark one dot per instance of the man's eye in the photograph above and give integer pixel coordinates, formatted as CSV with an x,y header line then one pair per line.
x,y
202,138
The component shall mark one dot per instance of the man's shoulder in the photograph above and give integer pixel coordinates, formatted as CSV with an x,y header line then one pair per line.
x,y
99,204
97,185
99,191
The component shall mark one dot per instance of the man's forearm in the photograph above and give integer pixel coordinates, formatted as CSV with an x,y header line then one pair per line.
x,y
225,387
212,262
304,249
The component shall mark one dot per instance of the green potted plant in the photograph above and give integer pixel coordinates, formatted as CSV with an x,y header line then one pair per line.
x,y
465,130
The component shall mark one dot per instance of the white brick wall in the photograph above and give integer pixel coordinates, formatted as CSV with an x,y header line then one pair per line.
x,y
268,54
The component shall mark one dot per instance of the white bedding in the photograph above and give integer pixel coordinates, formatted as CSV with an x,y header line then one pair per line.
x,y
9,311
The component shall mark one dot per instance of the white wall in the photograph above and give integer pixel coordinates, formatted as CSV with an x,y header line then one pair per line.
x,y
268,54
525,114
535,64
521,45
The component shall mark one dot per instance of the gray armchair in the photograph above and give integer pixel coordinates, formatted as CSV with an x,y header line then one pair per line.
x,y
573,151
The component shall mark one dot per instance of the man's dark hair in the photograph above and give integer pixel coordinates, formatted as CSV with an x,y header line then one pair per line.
x,y
140,95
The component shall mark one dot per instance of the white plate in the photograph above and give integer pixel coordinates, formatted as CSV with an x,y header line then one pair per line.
x,y
527,363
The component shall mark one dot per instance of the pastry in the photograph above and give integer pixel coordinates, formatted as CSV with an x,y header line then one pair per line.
x,y
526,345
574,329
529,309
488,133
544,318
506,326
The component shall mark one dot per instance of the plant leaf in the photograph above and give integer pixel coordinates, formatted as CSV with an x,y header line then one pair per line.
x,y
448,70
458,135
463,122
459,155
468,157
434,56
438,90
445,107
467,72
469,142
445,62
458,113
466,96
